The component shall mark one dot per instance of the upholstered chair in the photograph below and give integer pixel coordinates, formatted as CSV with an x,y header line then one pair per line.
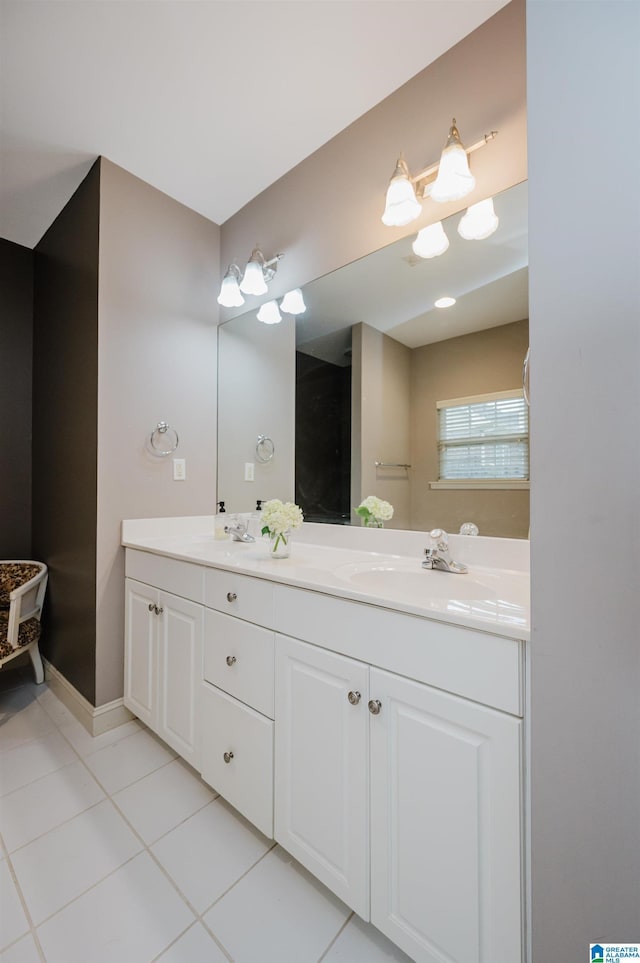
x,y
22,588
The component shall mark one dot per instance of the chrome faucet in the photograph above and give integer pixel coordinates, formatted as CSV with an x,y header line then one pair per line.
x,y
438,556
238,532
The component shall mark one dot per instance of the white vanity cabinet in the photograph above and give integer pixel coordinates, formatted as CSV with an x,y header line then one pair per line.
x,y
163,659
439,778
237,694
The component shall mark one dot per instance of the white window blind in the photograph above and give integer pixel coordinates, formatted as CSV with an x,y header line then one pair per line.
x,y
486,436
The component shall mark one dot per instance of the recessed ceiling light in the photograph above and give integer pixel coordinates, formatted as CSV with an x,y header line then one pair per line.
x,y
445,302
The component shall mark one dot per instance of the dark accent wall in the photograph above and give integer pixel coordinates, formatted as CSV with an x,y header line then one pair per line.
x,y
16,341
323,440
65,412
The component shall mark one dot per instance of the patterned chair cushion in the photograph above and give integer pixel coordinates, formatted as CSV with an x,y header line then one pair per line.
x,y
12,576
29,631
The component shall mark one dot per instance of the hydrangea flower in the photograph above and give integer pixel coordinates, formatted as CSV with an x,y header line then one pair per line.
x,y
279,517
374,509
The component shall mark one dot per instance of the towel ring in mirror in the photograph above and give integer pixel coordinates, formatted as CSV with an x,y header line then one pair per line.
x,y
163,439
265,449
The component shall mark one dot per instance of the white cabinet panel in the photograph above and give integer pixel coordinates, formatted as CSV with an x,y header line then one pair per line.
x,y
237,756
322,767
180,625
240,595
238,657
445,825
141,663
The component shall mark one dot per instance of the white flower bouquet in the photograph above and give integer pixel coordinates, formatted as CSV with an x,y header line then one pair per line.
x,y
375,511
278,519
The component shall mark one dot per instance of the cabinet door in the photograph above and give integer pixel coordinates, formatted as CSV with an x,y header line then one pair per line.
x,y
180,626
445,825
322,767
140,655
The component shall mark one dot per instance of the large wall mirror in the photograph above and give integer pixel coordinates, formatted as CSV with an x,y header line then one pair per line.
x,y
350,393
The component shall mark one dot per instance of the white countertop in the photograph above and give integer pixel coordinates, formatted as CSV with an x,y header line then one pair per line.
x,y
491,598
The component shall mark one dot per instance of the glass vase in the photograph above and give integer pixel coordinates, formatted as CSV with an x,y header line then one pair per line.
x,y
373,522
280,544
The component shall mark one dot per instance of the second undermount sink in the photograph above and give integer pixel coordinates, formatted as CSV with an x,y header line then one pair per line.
x,y
409,580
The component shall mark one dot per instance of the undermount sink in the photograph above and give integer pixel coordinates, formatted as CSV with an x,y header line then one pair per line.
x,y
410,581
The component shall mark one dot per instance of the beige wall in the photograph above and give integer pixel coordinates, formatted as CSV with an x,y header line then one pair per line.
x,y
158,282
326,211
459,367
381,420
256,396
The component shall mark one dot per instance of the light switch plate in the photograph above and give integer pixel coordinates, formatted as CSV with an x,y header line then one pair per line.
x,y
179,469
249,471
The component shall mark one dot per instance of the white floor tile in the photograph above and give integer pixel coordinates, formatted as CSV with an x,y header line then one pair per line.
x,y
163,799
32,760
360,942
196,946
24,951
210,851
53,706
35,809
121,763
21,719
62,864
86,744
278,913
13,922
131,916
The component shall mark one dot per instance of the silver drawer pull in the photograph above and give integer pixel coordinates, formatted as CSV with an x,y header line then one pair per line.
x,y
354,698
375,706
231,596
152,607
230,660
228,756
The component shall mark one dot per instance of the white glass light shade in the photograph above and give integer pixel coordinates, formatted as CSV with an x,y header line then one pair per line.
x,y
444,302
293,302
230,296
454,179
269,313
402,206
431,241
253,281
479,222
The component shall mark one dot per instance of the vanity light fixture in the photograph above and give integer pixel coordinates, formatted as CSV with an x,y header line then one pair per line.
x,y
257,274
431,241
448,180
230,296
269,313
293,302
479,222
444,302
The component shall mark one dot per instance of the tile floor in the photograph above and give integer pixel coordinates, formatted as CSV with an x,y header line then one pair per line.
x,y
115,851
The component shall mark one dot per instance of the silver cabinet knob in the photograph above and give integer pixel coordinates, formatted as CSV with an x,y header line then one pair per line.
x,y
228,756
159,611
230,660
354,698
152,607
374,706
231,596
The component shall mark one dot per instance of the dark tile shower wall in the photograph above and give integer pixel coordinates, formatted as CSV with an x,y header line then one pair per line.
x,y
323,440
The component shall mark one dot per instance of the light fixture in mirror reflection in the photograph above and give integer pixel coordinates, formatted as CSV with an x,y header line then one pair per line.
x,y
356,380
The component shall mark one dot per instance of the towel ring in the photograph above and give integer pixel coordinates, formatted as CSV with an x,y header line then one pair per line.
x,y
265,449
160,443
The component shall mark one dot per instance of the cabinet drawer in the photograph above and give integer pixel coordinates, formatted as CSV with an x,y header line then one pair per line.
x,y
246,780
241,595
249,648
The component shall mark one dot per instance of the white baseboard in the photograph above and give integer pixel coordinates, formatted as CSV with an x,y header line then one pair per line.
x,y
96,720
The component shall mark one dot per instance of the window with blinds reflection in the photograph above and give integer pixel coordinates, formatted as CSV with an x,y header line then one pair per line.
x,y
486,436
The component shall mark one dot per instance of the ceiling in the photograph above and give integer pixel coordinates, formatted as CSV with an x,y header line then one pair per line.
x,y
210,101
